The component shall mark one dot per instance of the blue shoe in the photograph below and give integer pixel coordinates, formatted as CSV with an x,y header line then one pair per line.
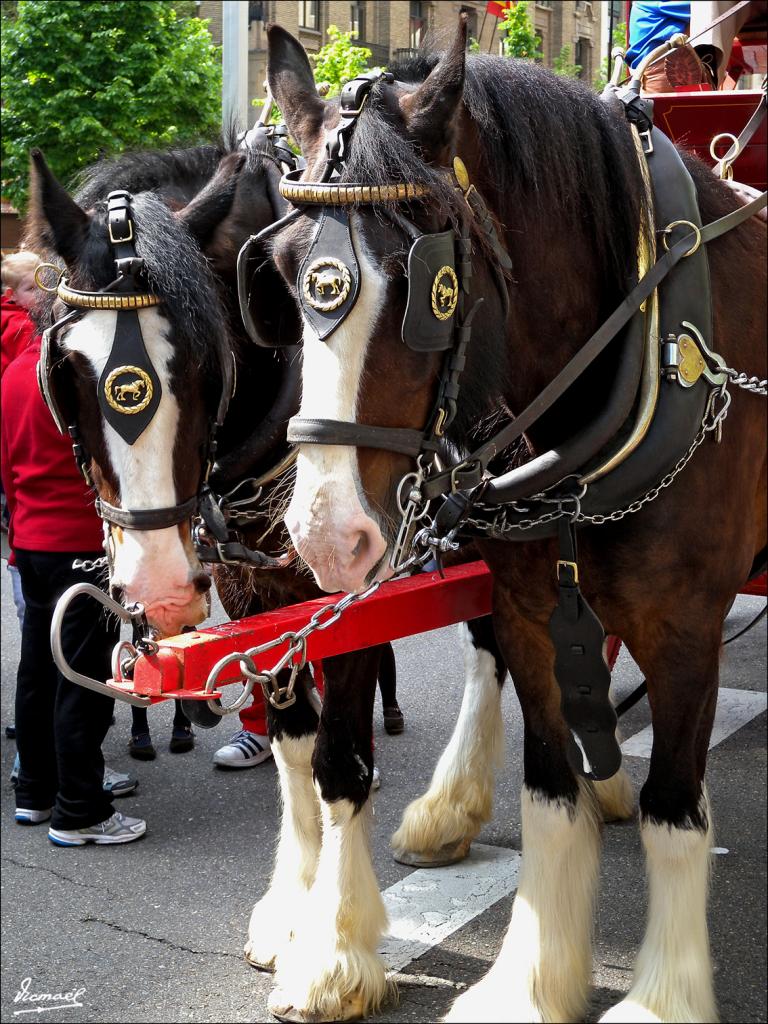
x,y
182,739
15,770
140,747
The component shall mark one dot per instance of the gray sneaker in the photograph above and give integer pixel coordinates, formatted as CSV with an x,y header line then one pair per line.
x,y
119,783
117,829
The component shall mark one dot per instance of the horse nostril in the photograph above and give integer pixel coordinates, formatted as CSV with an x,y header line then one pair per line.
x,y
202,582
116,593
361,547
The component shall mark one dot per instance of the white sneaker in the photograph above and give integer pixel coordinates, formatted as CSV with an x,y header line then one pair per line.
x,y
117,829
244,750
376,779
30,817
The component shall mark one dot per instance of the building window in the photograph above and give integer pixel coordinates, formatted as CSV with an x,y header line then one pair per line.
x,y
540,51
309,14
582,55
417,25
357,20
544,3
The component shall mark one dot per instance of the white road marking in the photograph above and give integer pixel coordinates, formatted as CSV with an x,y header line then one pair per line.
x,y
430,904
734,709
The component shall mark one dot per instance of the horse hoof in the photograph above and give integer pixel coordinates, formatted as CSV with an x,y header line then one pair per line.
x,y
260,965
451,853
280,1006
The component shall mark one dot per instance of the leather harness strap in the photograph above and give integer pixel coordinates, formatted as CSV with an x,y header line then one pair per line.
x,y
361,435
469,473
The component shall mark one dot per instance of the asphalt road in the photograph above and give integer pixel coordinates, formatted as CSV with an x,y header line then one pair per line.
x,y
153,931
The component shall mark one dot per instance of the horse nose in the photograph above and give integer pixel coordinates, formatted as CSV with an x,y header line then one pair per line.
x,y
201,582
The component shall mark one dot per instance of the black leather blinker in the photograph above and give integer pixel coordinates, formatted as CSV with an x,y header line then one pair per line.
x,y
433,291
328,282
129,389
46,367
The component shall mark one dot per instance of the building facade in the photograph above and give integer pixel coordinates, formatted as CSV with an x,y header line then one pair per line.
x,y
393,28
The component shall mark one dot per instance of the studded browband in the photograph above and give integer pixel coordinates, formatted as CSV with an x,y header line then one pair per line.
x,y
105,300
336,193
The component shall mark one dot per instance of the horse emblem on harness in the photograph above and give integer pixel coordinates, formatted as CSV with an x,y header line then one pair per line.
x,y
327,283
128,389
445,293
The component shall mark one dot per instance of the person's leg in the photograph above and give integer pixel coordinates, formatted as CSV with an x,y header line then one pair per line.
x,y
82,717
182,736
140,744
35,694
18,596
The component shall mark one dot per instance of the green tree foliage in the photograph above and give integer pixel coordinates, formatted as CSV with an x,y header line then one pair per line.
x,y
563,65
339,60
89,79
518,36
618,38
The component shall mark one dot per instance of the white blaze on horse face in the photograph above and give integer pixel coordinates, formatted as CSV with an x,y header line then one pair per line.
x,y
328,525
151,566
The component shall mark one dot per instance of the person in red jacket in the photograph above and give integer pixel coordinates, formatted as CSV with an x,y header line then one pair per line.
x,y
60,726
19,292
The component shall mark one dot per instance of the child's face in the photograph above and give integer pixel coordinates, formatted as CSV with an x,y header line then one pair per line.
x,y
25,292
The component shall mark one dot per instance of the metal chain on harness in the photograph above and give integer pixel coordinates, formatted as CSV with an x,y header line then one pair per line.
x,y
282,697
498,526
90,564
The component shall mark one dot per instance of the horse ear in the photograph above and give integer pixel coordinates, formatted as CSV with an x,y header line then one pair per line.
x,y
211,205
429,111
55,218
292,84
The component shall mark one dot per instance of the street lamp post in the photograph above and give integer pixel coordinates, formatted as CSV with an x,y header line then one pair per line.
x,y
234,106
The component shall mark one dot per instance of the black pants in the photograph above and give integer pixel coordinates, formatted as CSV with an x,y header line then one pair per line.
x,y
60,726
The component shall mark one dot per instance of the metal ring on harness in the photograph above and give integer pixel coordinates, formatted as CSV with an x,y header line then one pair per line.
x,y
676,224
724,168
48,266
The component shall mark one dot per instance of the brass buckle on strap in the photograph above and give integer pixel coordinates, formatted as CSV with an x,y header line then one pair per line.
x,y
117,241
563,563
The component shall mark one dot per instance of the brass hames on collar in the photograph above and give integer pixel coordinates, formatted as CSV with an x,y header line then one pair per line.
x,y
105,300
341,194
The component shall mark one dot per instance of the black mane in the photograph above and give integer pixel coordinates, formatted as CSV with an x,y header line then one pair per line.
x,y
548,143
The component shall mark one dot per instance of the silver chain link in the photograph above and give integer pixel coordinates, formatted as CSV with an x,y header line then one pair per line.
x,y
752,384
712,421
90,564
281,697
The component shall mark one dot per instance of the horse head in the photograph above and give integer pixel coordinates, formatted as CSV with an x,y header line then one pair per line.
x,y
357,369
139,366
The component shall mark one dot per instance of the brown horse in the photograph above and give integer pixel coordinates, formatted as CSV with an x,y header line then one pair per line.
x,y
560,174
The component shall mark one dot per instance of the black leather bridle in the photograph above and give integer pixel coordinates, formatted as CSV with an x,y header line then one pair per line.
x,y
128,360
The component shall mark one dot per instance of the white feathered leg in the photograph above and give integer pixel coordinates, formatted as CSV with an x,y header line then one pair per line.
x,y
331,971
282,907
673,974
543,970
439,826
